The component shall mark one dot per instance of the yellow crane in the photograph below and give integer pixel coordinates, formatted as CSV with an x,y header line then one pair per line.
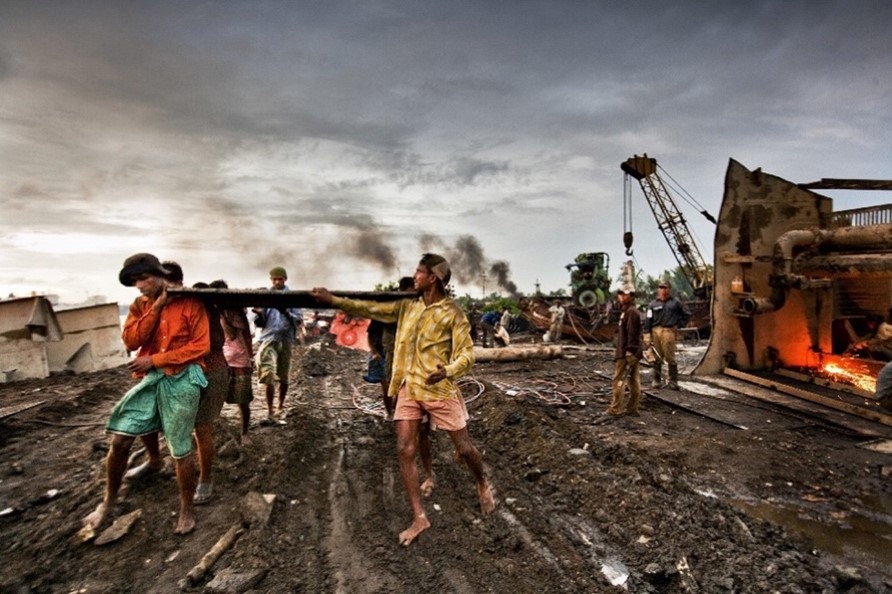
x,y
670,221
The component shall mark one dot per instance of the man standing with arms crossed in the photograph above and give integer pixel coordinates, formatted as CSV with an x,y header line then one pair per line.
x,y
172,337
433,348
665,315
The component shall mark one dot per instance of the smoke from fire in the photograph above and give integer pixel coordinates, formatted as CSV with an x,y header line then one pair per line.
x,y
369,245
468,263
350,238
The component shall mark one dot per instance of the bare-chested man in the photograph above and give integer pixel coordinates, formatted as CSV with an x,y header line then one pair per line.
x,y
172,338
433,347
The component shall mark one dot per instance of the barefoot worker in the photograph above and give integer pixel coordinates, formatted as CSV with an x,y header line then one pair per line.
x,y
172,337
433,347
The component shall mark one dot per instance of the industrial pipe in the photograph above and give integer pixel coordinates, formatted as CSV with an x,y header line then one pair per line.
x,y
786,243
843,238
761,305
874,266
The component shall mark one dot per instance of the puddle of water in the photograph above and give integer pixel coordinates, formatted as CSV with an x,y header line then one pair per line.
x,y
865,537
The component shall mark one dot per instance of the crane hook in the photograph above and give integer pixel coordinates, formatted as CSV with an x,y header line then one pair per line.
x,y
627,241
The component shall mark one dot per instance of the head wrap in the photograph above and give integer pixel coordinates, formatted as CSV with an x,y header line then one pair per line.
x,y
626,289
138,264
438,266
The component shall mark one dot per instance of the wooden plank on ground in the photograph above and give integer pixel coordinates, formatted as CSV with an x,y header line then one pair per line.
x,y
873,415
832,417
8,411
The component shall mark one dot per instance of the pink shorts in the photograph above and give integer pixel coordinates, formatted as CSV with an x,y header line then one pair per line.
x,y
448,415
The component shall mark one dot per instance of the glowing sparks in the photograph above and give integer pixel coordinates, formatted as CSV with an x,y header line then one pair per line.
x,y
860,380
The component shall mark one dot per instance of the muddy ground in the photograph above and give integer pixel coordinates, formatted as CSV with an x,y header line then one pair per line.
x,y
666,502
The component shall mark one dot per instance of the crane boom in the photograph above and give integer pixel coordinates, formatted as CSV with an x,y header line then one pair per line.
x,y
670,221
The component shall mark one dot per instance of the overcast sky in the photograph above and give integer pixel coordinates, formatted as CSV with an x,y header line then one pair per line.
x,y
343,139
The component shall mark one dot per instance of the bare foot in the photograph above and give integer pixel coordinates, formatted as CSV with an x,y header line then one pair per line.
x,y
185,524
487,501
98,516
419,525
427,487
246,439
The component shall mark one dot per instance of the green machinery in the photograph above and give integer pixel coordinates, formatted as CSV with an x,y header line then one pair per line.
x,y
589,281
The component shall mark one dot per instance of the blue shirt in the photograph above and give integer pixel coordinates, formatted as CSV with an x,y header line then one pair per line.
x,y
279,324
490,317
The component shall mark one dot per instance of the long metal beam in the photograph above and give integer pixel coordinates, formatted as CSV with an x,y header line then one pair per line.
x,y
829,183
272,298
667,398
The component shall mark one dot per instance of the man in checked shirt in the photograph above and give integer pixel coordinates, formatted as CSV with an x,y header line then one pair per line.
x,y
433,348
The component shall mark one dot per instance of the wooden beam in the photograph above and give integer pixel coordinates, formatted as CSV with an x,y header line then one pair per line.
x,y
518,353
866,413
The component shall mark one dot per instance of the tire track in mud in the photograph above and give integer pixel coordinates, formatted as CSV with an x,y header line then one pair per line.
x,y
462,553
351,501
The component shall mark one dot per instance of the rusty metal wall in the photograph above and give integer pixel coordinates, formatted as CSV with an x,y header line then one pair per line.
x,y
788,270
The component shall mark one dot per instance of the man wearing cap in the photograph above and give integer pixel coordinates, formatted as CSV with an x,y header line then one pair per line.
x,y
150,441
626,368
665,315
277,339
172,338
432,348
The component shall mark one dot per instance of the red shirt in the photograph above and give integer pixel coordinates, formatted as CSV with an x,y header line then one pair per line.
x,y
175,337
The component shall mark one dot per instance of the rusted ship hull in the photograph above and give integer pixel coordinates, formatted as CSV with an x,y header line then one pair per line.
x,y
598,324
586,325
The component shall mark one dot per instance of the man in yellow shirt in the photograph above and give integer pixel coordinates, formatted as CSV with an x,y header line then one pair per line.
x,y
433,348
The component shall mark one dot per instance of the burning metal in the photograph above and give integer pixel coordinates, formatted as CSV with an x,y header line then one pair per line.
x,y
849,371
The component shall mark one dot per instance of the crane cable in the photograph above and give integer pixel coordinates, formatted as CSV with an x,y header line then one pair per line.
x,y
687,197
628,238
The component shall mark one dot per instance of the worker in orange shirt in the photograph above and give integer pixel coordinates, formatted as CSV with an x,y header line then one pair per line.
x,y
172,338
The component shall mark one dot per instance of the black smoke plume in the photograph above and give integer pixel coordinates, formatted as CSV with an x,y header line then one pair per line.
x,y
469,264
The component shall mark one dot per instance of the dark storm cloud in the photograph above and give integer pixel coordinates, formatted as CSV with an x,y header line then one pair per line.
x,y
196,83
315,133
